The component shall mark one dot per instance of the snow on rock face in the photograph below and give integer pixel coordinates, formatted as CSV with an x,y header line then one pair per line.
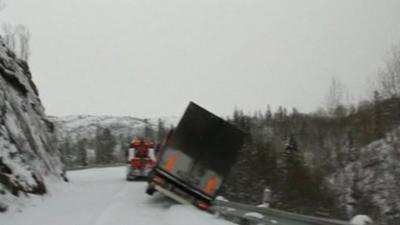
x,y
370,184
28,154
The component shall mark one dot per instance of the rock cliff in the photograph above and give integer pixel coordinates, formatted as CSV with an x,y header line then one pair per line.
x,y
28,151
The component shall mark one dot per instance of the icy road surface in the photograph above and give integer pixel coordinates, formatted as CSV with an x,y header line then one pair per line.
x,y
103,197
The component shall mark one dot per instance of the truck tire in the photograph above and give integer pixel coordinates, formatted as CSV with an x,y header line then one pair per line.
x,y
150,190
130,178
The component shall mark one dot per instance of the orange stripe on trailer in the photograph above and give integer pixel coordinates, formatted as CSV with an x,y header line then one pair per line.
x,y
210,185
170,163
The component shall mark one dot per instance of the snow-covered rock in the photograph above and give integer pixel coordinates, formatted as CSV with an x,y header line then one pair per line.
x,y
370,184
28,151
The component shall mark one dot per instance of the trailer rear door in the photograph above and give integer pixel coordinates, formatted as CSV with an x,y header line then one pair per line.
x,y
202,150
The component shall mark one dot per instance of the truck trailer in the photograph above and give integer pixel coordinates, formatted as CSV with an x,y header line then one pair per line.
x,y
195,157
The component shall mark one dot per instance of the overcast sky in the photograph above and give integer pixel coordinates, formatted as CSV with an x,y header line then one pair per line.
x,y
149,58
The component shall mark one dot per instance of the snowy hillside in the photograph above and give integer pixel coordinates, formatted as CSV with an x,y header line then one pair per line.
x,y
85,126
28,151
103,197
78,126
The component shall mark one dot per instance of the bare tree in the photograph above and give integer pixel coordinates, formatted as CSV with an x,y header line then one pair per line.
x,y
335,98
16,39
9,36
24,36
389,76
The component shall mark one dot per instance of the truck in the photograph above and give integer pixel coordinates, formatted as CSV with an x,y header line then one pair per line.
x,y
195,158
140,159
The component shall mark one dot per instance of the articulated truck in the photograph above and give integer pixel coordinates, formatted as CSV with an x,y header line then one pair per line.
x,y
195,157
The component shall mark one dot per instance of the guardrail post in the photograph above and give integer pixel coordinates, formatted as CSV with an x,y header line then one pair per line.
x,y
266,200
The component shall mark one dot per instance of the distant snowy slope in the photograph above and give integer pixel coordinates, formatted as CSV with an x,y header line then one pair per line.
x,y
167,121
79,126
28,150
86,125
92,136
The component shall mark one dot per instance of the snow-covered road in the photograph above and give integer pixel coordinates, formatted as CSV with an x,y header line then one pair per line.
x,y
103,197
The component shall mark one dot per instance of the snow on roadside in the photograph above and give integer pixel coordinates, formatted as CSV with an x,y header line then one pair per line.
x,y
103,197
254,214
361,220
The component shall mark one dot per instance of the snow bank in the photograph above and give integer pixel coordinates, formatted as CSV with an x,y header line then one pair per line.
x,y
361,220
254,215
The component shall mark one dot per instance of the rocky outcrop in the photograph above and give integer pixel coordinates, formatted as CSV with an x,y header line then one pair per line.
x,y
371,183
28,151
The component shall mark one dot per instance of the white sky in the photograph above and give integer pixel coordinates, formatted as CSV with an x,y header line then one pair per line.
x,y
148,58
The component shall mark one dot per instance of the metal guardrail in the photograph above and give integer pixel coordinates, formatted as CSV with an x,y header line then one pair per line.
x,y
269,216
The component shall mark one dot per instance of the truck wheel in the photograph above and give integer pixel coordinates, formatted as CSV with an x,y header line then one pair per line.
x,y
130,178
150,190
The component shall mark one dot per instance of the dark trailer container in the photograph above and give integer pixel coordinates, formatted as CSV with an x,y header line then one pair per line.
x,y
196,157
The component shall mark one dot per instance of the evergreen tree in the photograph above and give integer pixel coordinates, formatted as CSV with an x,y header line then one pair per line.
x,y
377,116
268,116
161,131
66,151
98,145
108,146
105,146
82,153
292,176
148,130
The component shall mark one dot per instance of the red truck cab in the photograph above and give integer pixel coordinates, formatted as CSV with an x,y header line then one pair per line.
x,y
141,159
